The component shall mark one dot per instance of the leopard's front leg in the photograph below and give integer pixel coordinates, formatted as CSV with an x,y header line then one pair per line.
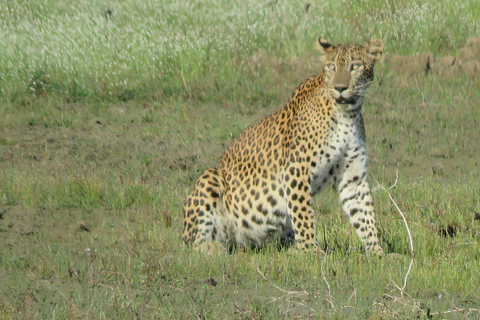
x,y
357,202
299,201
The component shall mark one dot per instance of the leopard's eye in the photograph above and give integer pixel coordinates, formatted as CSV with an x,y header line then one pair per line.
x,y
331,66
355,66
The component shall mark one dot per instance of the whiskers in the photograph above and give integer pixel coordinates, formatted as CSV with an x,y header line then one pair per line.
x,y
361,89
363,86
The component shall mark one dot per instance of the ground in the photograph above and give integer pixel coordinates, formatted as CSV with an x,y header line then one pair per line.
x,y
90,217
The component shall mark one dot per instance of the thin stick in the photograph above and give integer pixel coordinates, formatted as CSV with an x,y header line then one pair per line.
x,y
453,311
323,275
403,217
263,276
396,177
398,209
402,289
328,285
185,83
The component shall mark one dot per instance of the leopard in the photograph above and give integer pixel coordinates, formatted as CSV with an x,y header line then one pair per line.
x,y
262,187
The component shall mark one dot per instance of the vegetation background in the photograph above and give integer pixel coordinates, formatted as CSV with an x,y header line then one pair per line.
x,y
109,112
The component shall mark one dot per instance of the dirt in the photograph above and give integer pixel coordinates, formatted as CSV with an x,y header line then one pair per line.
x,y
465,62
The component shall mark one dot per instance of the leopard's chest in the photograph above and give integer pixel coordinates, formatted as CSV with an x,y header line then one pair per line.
x,y
332,156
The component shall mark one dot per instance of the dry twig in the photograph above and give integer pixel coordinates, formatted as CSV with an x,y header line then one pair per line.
x,y
329,295
402,289
468,310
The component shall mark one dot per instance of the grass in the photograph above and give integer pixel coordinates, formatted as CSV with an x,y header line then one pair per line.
x,y
124,51
109,117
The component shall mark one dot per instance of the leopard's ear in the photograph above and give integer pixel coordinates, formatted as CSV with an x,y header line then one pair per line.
x,y
375,49
324,46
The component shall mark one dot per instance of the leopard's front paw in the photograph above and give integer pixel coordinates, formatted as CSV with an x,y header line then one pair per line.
x,y
308,247
210,248
374,250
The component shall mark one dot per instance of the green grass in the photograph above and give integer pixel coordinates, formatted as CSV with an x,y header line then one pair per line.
x,y
106,121
76,52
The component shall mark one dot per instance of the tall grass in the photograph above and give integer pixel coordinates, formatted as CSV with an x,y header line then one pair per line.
x,y
114,51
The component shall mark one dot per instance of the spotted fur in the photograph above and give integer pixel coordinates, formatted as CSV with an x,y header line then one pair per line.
x,y
263,184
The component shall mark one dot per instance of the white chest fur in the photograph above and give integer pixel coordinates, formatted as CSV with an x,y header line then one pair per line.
x,y
346,141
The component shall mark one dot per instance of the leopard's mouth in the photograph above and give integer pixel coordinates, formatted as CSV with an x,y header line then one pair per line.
x,y
343,100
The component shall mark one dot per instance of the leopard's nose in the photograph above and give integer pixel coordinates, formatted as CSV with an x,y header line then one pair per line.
x,y
341,88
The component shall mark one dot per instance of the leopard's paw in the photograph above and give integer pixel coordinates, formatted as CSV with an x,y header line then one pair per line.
x,y
210,248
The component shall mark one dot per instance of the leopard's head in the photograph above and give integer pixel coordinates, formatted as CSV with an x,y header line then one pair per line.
x,y
349,69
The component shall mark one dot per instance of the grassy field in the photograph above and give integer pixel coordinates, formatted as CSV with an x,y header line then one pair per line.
x,y
110,111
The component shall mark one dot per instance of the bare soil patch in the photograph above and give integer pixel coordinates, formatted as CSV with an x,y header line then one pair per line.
x,y
465,62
